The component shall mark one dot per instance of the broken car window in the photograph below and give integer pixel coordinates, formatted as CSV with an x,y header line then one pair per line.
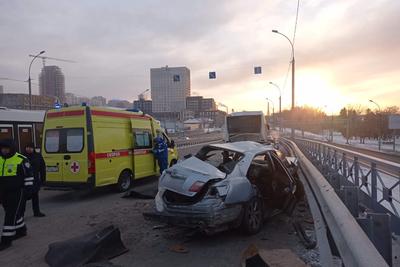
x,y
224,160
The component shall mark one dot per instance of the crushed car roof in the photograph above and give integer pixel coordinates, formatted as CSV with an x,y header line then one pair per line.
x,y
244,146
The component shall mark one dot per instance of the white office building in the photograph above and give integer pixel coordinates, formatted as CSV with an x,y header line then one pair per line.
x,y
169,88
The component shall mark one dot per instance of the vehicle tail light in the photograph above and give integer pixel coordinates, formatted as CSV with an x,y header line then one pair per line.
x,y
92,163
197,186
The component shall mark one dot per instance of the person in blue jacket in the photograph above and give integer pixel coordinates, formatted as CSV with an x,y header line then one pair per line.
x,y
160,152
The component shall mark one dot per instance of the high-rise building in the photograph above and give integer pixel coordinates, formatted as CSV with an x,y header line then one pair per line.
x,y
1,89
52,82
169,88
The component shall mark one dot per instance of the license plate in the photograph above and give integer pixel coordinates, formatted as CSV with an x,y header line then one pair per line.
x,y
52,169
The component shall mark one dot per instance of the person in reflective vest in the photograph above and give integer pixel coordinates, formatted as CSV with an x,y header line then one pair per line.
x,y
160,152
16,179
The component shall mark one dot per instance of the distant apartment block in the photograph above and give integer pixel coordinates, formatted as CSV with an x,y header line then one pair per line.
x,y
144,105
1,89
98,101
169,88
198,104
52,82
21,101
117,103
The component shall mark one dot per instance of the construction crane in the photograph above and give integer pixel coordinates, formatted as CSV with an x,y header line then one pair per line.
x,y
52,58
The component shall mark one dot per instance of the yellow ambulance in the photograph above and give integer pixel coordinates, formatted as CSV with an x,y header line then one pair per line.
x,y
92,147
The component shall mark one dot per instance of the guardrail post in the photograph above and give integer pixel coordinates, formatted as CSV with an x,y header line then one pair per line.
x,y
319,152
374,189
349,196
356,172
344,166
377,228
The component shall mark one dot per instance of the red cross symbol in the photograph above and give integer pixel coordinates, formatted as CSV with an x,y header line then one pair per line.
x,y
74,167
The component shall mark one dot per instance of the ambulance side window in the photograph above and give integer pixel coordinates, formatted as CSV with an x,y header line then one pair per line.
x,y
143,139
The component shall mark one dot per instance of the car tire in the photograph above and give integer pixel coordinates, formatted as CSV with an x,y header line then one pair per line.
x,y
124,181
253,216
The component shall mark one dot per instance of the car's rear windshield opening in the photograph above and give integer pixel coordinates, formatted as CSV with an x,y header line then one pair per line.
x,y
222,159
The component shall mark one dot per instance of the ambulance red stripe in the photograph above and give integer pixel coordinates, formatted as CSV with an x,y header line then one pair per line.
x,y
118,115
65,113
122,153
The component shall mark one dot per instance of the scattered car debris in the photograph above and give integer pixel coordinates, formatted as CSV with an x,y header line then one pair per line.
x,y
96,246
255,257
226,186
160,226
102,264
308,242
178,248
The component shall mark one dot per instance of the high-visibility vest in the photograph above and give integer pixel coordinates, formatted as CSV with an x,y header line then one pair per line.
x,y
9,166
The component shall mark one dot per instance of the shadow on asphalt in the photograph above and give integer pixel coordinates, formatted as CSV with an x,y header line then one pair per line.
x,y
144,186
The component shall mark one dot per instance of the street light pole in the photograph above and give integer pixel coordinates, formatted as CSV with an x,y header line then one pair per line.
x,y
380,123
280,104
29,79
273,108
293,72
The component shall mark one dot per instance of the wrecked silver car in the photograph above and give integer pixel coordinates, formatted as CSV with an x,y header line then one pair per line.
x,y
226,186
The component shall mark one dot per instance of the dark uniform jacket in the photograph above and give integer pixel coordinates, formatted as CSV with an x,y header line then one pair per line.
x,y
38,168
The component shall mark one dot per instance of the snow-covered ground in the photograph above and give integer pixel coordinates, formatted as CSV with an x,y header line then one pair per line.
x,y
370,144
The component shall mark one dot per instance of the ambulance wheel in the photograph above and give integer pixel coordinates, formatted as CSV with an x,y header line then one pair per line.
x,y
173,162
124,181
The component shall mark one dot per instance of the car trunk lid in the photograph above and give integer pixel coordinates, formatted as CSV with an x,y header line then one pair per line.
x,y
183,175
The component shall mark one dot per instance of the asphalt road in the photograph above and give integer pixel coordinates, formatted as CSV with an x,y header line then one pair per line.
x,y
72,213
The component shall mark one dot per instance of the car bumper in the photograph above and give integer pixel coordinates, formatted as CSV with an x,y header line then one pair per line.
x,y
209,215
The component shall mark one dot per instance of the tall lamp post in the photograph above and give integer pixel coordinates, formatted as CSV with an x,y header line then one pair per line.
x,y
293,71
29,79
273,107
280,103
380,123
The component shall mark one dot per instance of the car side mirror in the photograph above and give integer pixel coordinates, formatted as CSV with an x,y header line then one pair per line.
x,y
187,156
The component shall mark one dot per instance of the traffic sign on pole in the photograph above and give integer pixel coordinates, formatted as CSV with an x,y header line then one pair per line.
x,y
257,70
212,75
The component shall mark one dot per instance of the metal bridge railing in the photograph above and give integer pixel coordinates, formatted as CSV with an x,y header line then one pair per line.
x,y
350,241
369,187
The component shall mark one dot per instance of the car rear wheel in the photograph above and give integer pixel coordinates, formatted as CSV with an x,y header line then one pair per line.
x,y
252,216
124,181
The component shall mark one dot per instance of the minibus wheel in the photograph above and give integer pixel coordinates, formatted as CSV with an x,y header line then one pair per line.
x,y
124,181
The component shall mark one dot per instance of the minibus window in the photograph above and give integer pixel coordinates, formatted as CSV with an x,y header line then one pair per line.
x,y
52,141
74,140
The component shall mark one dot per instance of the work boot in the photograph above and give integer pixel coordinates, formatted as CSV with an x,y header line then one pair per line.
x,y
39,214
5,243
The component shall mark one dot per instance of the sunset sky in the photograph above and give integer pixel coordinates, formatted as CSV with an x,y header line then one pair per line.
x,y
347,51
